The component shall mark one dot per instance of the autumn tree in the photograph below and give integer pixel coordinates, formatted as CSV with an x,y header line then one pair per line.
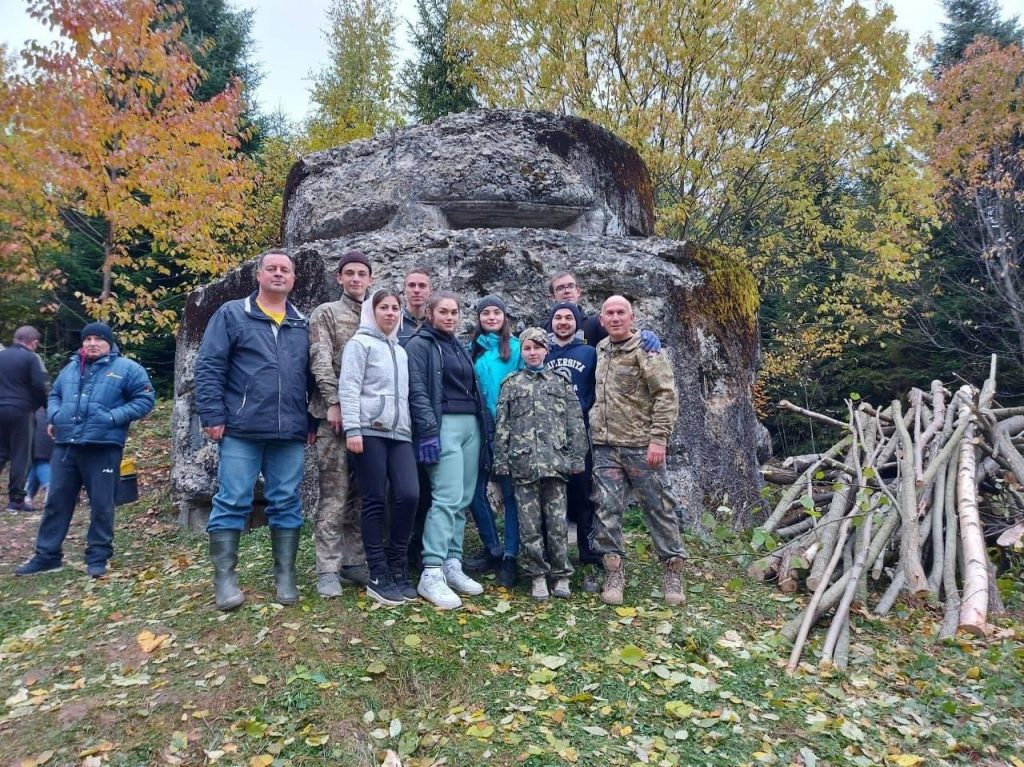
x,y
102,133
748,113
355,94
436,83
978,155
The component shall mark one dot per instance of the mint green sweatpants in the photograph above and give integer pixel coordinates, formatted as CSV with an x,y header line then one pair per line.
x,y
452,484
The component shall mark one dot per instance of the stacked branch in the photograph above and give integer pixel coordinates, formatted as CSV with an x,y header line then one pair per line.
x,y
891,509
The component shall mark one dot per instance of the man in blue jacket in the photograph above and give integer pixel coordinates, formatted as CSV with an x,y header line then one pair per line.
x,y
92,402
252,381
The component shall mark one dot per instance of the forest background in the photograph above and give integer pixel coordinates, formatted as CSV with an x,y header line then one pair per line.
x,y
876,191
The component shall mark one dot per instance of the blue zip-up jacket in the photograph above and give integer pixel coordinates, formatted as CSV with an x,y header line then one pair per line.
x,y
580,361
492,370
92,403
252,376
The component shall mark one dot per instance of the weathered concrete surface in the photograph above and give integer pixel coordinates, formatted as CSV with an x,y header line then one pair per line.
x,y
482,168
418,198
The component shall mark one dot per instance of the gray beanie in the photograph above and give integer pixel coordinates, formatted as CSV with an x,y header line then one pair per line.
x,y
490,300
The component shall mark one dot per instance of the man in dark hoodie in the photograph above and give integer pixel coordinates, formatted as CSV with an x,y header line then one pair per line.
x,y
568,352
22,391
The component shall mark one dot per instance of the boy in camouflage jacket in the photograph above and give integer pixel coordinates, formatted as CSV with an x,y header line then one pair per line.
x,y
540,442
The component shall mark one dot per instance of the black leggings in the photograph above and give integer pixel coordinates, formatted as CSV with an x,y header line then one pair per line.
x,y
386,463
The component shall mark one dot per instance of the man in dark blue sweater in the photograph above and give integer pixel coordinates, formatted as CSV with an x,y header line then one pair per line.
x,y
570,353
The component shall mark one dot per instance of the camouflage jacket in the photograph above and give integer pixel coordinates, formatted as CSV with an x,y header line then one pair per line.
x,y
636,402
331,325
540,429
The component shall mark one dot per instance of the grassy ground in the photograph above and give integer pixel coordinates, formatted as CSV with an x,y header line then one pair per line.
x,y
139,668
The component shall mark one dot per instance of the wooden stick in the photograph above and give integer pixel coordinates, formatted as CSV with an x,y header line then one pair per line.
x,y
910,531
794,492
974,600
787,405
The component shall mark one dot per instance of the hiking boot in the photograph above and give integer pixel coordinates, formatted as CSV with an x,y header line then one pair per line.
x,y
224,556
285,546
98,570
328,585
458,580
382,590
539,590
484,562
561,588
23,505
357,574
433,588
508,573
672,582
591,583
614,580
35,566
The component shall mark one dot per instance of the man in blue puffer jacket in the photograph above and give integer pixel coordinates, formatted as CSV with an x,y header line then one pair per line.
x,y
252,387
92,402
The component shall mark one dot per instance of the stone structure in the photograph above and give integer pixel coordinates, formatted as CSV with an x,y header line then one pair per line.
x,y
496,202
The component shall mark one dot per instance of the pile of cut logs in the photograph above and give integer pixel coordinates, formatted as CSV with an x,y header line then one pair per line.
x,y
895,502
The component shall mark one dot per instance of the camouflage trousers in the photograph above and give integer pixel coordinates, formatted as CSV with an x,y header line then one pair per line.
x,y
337,530
617,470
542,525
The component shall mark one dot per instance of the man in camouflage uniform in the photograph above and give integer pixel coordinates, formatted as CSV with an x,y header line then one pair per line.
x,y
540,441
337,532
634,412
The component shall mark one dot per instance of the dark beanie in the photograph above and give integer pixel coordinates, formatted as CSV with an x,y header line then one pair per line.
x,y
100,329
572,308
490,300
354,257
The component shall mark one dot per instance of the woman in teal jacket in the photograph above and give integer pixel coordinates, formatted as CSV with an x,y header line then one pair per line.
x,y
495,353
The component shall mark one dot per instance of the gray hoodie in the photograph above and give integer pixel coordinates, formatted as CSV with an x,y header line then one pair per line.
x,y
373,385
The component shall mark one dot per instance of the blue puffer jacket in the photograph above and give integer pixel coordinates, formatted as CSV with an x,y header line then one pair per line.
x,y
252,377
491,369
93,403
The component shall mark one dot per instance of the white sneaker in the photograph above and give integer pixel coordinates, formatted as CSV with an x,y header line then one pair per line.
x,y
433,588
458,580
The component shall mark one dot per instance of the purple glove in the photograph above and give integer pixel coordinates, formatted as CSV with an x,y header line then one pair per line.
x,y
428,450
649,341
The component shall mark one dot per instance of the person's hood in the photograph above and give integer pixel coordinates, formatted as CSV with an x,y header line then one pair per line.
x,y
488,341
368,321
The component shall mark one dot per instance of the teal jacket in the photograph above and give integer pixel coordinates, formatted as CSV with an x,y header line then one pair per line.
x,y
491,370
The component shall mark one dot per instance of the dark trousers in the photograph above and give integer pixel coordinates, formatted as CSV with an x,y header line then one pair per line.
x,y
580,509
97,468
420,518
386,464
16,448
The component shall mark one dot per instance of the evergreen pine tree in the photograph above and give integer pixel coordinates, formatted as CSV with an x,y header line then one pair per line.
x,y
969,19
435,83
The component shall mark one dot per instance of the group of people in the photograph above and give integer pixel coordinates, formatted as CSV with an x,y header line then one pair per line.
x,y
411,423
89,408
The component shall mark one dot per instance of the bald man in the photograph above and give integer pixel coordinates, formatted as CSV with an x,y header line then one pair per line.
x,y
634,412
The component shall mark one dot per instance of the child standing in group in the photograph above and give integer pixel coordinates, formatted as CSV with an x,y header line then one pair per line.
x,y
539,443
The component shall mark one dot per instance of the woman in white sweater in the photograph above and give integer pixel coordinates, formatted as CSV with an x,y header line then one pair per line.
x,y
373,388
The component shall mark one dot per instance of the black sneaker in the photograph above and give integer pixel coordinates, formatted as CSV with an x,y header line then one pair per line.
x,y
22,505
407,590
98,570
483,562
358,574
507,573
384,591
35,566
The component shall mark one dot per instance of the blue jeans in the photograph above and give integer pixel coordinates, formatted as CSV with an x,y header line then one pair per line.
x,y
483,515
241,463
38,476
97,468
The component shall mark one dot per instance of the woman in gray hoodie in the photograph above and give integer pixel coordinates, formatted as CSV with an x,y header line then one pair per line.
x,y
373,389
